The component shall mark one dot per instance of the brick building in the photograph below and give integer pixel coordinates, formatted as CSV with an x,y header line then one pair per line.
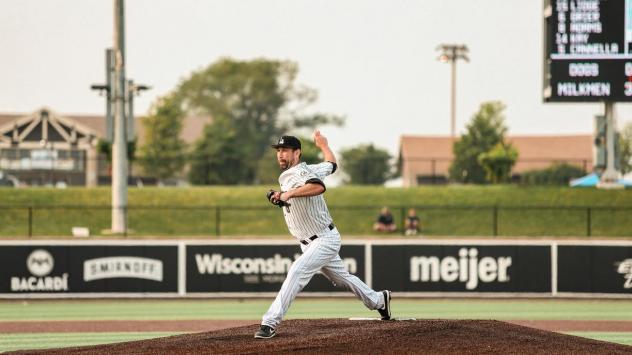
x,y
427,159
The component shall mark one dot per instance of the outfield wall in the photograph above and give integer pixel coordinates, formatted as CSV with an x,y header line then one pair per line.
x,y
249,268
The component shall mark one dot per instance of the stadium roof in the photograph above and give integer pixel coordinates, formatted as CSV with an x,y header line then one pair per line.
x,y
191,129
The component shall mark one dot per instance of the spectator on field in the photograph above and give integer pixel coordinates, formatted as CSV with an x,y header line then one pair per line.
x,y
412,222
384,221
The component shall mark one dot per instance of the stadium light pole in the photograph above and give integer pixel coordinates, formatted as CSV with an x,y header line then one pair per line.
x,y
610,176
133,89
119,115
452,53
119,144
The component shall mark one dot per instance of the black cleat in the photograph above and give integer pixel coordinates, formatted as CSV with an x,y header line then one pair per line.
x,y
265,332
385,311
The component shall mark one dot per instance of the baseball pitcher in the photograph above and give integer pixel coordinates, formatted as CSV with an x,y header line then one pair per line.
x,y
309,221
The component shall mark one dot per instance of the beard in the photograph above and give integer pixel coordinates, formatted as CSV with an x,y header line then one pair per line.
x,y
284,164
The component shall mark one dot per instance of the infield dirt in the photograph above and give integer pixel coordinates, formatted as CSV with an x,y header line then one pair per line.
x,y
337,336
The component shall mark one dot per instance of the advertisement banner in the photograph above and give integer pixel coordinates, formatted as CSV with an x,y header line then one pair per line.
x,y
88,269
256,268
462,268
122,269
594,269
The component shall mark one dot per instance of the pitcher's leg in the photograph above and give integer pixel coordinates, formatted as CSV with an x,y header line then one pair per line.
x,y
338,274
301,271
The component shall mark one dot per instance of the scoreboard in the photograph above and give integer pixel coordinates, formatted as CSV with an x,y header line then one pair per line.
x,y
587,50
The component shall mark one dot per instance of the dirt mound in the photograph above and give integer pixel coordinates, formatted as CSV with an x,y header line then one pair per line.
x,y
361,337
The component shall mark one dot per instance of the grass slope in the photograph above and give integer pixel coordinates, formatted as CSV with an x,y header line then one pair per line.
x,y
444,210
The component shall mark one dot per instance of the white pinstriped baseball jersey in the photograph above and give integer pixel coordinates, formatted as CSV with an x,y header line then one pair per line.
x,y
307,216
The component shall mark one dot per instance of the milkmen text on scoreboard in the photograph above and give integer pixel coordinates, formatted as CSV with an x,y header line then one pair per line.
x,y
588,50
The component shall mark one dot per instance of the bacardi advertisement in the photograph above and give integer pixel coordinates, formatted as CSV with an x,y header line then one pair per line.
x,y
462,268
256,268
88,269
595,269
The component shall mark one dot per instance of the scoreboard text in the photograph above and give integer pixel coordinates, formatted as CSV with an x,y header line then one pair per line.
x,y
588,50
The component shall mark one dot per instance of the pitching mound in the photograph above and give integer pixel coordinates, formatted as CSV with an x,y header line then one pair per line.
x,y
332,336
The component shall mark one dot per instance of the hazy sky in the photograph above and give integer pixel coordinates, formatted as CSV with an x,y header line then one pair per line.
x,y
372,61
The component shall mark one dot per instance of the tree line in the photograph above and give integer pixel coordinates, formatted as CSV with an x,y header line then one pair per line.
x,y
253,102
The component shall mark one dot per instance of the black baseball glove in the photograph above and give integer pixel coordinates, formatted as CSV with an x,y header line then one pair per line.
x,y
274,201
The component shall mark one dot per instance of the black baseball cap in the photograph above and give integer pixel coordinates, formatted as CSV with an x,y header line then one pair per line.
x,y
287,142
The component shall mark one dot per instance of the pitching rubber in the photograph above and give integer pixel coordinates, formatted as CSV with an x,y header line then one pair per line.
x,y
373,318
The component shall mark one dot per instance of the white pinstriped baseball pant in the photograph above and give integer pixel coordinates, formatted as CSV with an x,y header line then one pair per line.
x,y
319,255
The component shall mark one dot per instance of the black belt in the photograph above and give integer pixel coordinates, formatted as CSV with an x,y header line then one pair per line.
x,y
305,241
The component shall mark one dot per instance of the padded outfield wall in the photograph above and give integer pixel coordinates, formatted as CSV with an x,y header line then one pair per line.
x,y
255,268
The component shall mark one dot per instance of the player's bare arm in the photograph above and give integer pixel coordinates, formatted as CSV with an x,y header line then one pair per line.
x,y
309,189
322,144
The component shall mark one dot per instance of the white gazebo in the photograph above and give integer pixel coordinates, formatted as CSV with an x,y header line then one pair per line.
x,y
44,148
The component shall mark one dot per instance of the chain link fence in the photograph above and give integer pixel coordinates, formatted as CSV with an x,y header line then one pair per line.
x,y
215,221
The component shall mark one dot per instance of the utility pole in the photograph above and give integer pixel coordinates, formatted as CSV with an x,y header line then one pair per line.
x,y
610,176
119,144
452,53
119,93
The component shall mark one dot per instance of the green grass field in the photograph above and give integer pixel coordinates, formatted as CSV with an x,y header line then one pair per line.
x,y
314,308
243,210
252,309
23,341
191,212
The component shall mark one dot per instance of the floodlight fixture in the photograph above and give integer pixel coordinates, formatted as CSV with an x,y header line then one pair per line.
x,y
451,53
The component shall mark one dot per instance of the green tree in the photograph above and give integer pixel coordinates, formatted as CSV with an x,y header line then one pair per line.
x,y
104,147
556,174
163,153
254,100
625,148
498,162
366,165
217,157
485,130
